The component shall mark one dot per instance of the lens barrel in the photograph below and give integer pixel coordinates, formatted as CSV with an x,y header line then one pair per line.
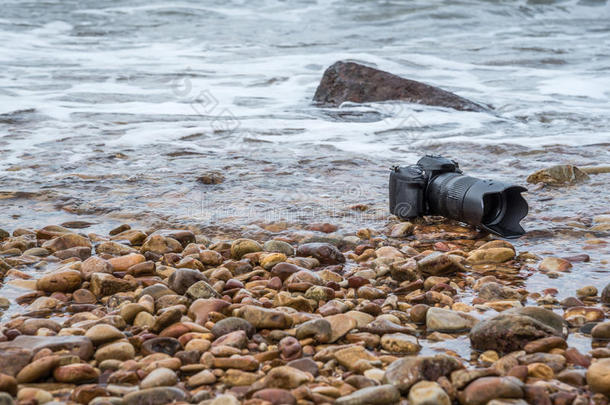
x,y
495,206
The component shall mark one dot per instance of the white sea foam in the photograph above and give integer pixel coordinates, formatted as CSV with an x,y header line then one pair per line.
x,y
174,69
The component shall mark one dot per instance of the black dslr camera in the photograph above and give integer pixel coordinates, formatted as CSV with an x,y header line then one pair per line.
x,y
436,186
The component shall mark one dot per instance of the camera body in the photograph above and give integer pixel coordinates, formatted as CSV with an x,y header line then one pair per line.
x,y
437,186
408,185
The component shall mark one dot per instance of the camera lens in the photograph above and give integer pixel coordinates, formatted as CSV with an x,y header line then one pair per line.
x,y
492,205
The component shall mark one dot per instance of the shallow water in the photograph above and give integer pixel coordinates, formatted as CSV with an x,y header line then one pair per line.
x,y
109,112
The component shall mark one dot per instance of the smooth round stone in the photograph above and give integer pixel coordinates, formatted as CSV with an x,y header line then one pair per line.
x,y
278,246
225,399
491,255
437,264
286,377
144,320
35,394
155,396
181,279
204,377
160,244
305,364
374,374
325,253
232,324
60,281
38,252
586,291
263,318
598,376
66,241
161,377
237,339
400,343
447,321
8,384
33,326
272,259
289,348
165,345
376,395
167,317
202,290
4,303
554,264
37,369
276,396
210,258
418,313
85,394
130,311
103,333
545,344
540,370
483,390
156,291
200,345
94,264
601,331
428,393
405,372
76,373
361,318
340,325
243,246
122,263
237,378
82,296
121,350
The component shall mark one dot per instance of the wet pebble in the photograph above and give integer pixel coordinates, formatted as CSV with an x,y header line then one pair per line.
x,y
379,395
160,377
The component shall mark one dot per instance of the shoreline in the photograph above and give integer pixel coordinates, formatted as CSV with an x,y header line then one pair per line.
x,y
306,317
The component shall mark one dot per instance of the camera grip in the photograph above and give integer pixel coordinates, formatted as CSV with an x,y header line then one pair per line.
x,y
406,197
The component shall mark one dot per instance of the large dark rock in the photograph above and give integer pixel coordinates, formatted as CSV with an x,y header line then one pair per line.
x,y
349,81
513,329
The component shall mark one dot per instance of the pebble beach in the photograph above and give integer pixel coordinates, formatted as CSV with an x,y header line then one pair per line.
x,y
423,312
194,202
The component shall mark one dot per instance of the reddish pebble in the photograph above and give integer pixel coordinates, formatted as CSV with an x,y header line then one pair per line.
x,y
578,258
551,291
356,282
441,246
575,357
232,283
325,227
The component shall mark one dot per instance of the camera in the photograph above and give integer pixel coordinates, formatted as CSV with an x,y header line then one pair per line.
x,y
437,186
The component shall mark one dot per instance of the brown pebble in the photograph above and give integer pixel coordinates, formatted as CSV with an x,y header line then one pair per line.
x,y
520,372
573,356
